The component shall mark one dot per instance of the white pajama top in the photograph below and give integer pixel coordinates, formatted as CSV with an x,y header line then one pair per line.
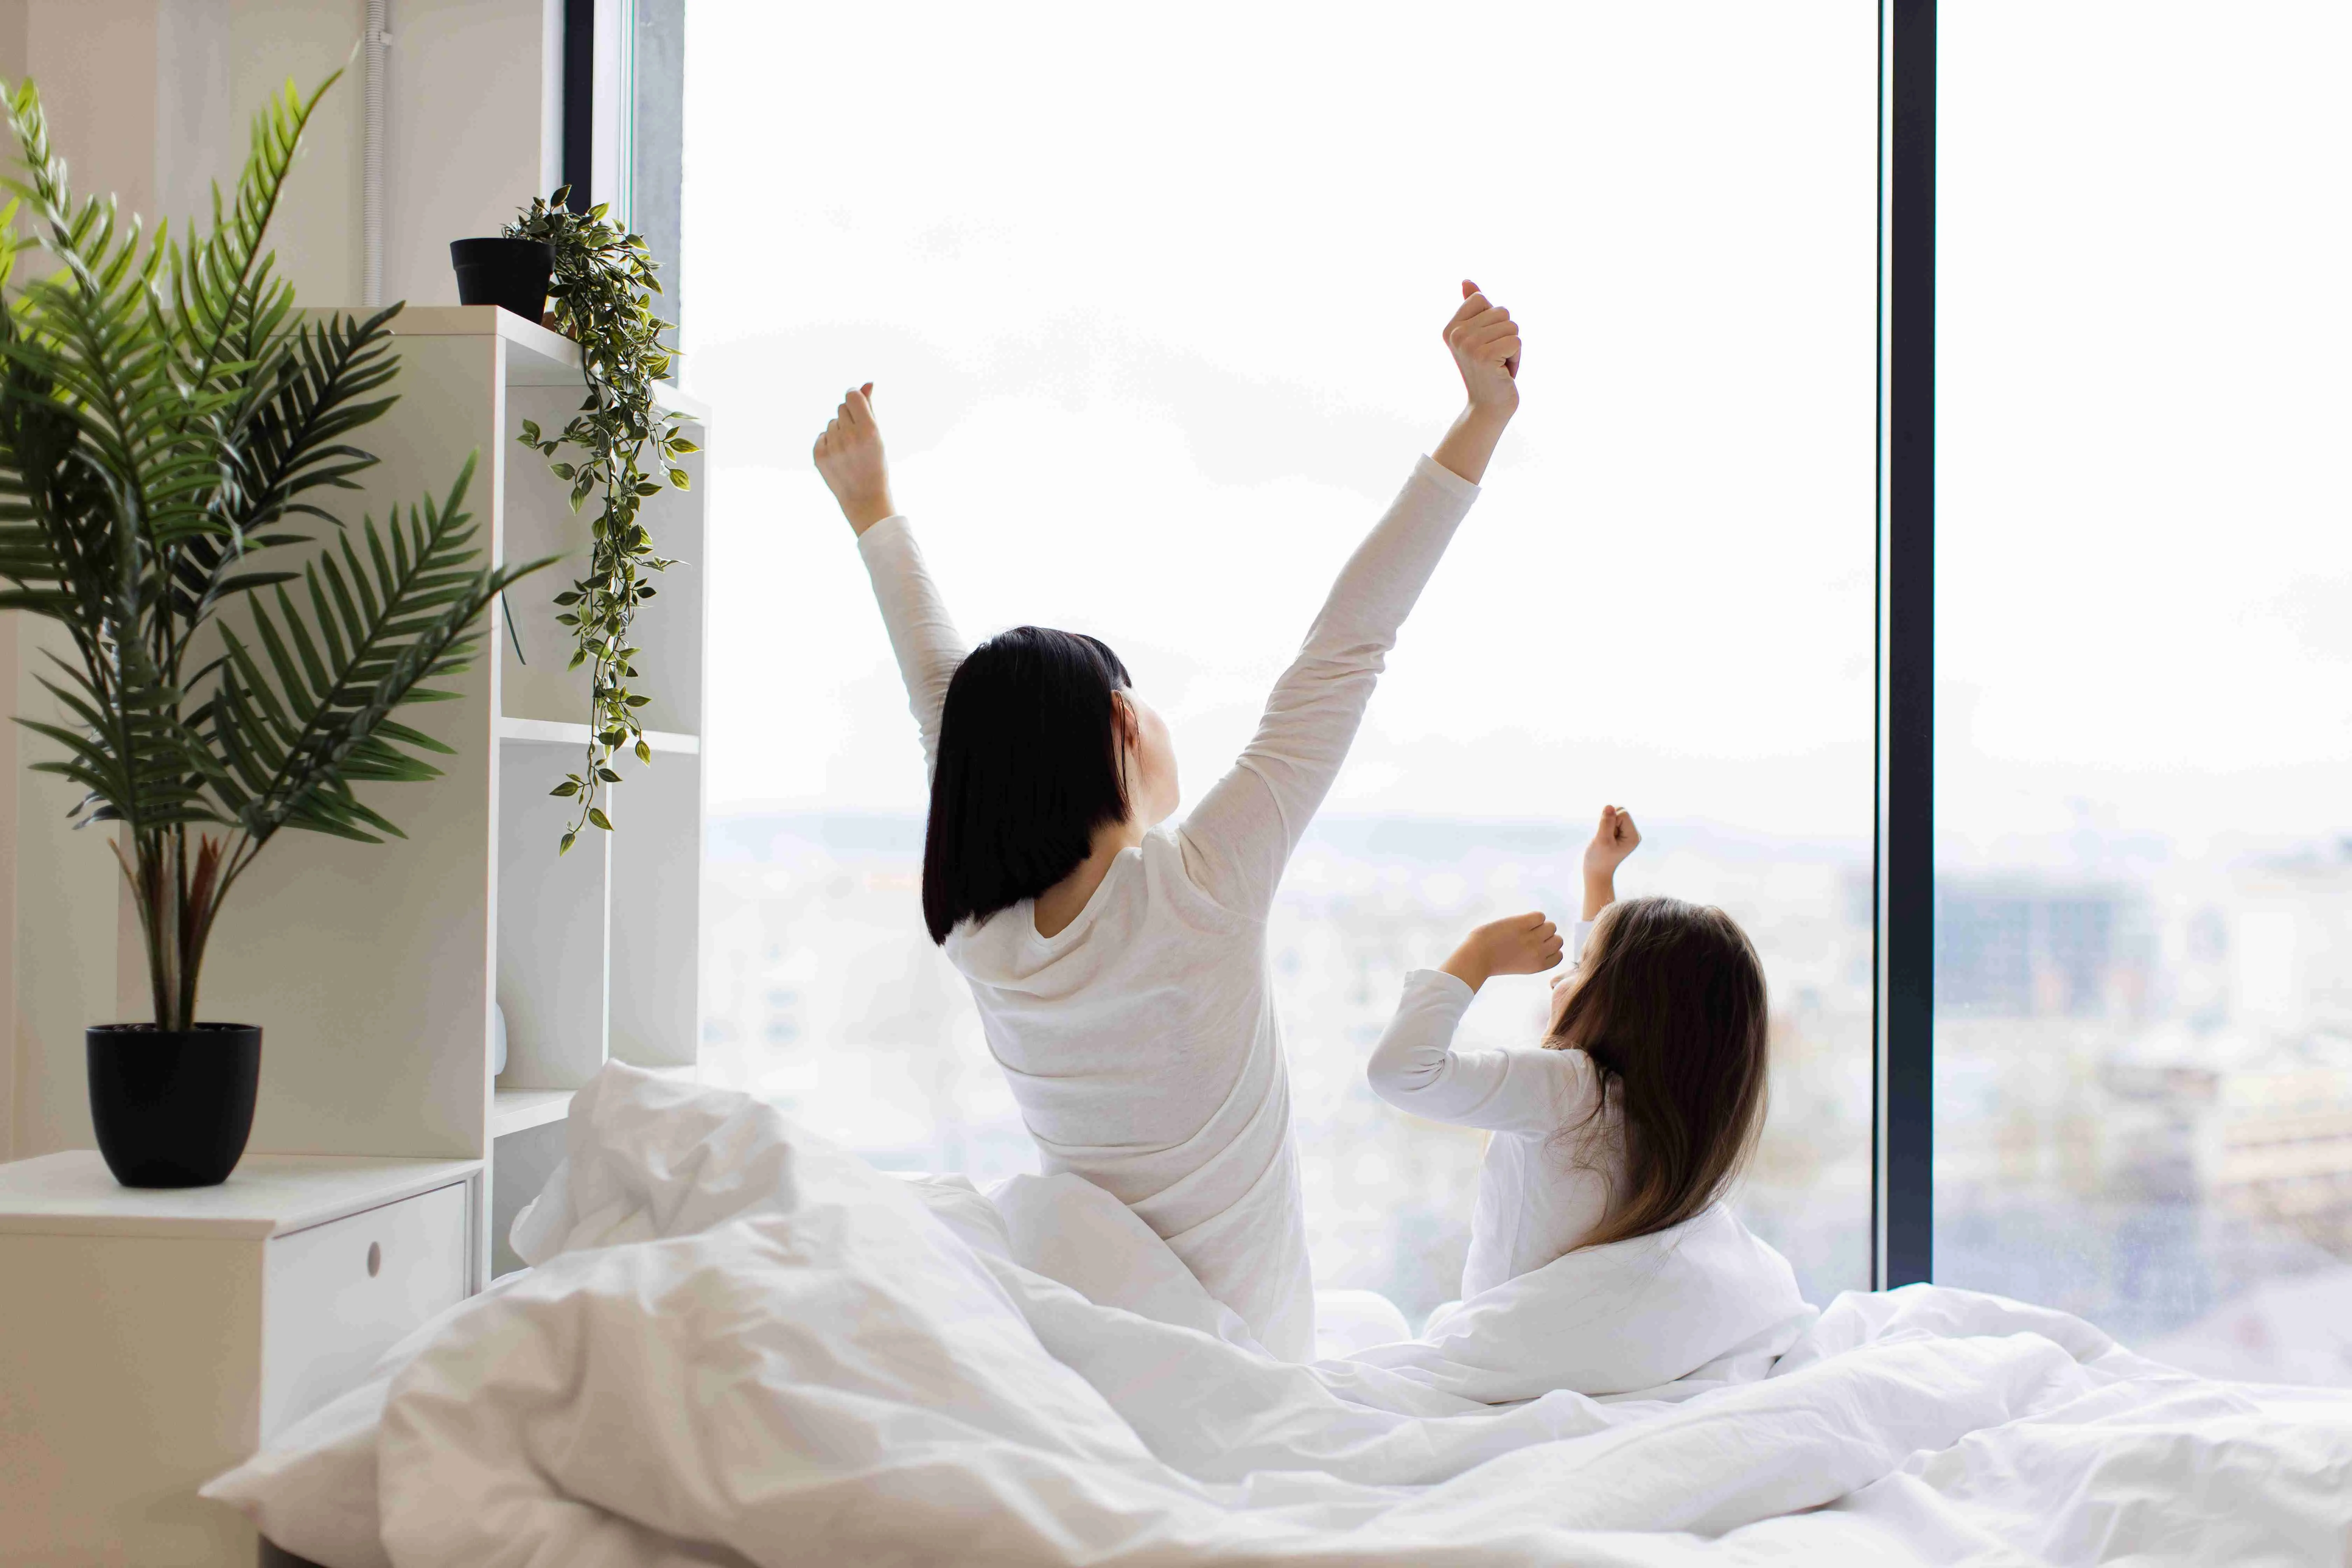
x,y
1539,1196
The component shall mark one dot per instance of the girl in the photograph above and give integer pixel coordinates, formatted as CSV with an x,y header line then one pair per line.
x,y
1647,1095
1119,965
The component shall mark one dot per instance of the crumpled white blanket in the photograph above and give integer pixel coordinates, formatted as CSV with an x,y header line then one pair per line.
x,y
742,1345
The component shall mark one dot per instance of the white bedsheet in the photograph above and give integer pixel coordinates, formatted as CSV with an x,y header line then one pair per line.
x,y
740,1344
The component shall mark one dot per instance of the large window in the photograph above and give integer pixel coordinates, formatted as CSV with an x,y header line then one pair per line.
x,y
1152,304
2144,886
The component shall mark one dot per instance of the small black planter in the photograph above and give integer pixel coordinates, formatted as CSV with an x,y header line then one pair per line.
x,y
173,1107
509,273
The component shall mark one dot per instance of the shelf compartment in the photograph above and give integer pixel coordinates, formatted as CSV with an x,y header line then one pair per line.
x,y
657,912
554,927
537,519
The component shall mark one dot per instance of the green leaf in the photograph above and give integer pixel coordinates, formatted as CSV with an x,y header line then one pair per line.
x,y
679,477
566,788
645,752
596,816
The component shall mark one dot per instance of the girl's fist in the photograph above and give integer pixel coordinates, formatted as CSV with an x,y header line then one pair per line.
x,y
1517,944
1612,840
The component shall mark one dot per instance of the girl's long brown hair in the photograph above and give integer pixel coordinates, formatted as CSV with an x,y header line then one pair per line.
x,y
1670,1007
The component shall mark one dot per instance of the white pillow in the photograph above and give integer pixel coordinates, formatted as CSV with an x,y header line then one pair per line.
x,y
645,1157
311,1488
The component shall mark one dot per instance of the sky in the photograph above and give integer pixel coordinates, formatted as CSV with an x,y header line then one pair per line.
x,y
2145,572
1152,302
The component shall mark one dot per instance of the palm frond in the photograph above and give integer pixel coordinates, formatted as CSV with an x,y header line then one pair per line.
x,y
300,713
289,435
130,754
227,305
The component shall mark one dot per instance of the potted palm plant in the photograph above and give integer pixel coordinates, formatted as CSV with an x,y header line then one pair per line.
x,y
168,429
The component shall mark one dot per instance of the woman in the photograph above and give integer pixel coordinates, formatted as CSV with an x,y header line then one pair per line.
x,y
1118,964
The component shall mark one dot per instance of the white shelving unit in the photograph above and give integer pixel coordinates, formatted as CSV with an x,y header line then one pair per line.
x,y
372,970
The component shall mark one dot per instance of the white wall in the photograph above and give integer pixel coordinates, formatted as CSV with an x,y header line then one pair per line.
x,y
467,138
151,100
59,894
317,232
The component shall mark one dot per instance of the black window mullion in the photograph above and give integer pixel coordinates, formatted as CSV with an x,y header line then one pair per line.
x,y
1903,1194
580,102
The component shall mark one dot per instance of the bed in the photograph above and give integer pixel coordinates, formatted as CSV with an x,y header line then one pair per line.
x,y
739,1344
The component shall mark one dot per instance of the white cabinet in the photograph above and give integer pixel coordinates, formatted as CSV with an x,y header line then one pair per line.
x,y
339,1295
151,1339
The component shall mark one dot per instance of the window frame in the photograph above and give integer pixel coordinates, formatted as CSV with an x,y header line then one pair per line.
x,y
1904,904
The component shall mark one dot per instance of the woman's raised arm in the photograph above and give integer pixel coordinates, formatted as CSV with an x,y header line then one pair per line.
x,y
1241,834
922,635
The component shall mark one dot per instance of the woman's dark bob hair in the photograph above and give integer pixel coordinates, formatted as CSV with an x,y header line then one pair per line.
x,y
1029,766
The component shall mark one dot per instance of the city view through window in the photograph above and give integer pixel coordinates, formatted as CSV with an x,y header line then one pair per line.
x,y
2144,916
1154,328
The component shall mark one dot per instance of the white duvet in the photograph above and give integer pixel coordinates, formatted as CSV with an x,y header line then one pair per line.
x,y
741,1345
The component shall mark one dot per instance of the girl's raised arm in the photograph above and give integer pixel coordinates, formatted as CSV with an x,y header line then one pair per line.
x,y
1415,1067
1241,834
922,635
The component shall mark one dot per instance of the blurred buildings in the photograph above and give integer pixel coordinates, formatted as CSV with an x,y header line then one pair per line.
x,y
2145,1097
2144,1061
823,992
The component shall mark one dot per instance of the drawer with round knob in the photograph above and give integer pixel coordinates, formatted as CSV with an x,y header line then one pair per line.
x,y
338,1295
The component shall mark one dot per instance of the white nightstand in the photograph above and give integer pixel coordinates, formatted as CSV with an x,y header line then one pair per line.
x,y
150,1339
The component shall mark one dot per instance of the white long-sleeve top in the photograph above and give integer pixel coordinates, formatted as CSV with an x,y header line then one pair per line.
x,y
1140,1041
1538,1197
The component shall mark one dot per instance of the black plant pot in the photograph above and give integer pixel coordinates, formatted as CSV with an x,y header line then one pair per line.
x,y
509,273
173,1107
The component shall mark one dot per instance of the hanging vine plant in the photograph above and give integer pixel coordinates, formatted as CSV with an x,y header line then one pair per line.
x,y
601,296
